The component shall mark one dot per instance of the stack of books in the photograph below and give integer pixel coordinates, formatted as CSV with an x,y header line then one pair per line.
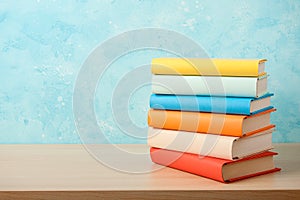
x,y
211,117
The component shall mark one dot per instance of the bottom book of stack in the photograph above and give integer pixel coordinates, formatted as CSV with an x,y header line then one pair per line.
x,y
222,170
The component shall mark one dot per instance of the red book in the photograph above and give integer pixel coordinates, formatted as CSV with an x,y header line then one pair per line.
x,y
215,168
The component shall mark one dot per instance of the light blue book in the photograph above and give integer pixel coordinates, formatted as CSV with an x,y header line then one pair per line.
x,y
228,105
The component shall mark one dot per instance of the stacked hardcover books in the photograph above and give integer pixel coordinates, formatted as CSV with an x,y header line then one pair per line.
x,y
211,117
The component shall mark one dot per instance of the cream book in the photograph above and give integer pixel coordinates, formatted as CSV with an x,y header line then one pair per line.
x,y
210,85
226,147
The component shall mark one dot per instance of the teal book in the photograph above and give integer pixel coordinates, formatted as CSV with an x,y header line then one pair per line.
x,y
215,104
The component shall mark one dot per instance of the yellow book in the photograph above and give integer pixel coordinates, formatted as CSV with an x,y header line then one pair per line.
x,y
208,66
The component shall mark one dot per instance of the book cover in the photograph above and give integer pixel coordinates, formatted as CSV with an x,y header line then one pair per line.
x,y
213,123
210,85
226,147
208,67
213,168
229,105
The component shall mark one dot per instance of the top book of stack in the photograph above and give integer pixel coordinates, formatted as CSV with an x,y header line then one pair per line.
x,y
208,67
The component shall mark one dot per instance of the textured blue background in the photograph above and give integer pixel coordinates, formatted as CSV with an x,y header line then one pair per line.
x,y
44,43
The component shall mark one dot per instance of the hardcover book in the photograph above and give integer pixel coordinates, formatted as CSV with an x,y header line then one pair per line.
x,y
229,105
214,168
210,85
212,123
208,67
226,147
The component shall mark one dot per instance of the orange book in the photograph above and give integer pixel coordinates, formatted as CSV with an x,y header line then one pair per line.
x,y
215,168
213,123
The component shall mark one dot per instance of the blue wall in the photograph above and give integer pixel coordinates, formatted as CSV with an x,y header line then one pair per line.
x,y
43,44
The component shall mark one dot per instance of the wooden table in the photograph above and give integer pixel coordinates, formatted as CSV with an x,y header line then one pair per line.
x,y
70,172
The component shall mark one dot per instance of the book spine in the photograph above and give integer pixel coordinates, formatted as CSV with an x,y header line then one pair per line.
x,y
206,67
196,143
201,104
202,166
205,85
213,123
